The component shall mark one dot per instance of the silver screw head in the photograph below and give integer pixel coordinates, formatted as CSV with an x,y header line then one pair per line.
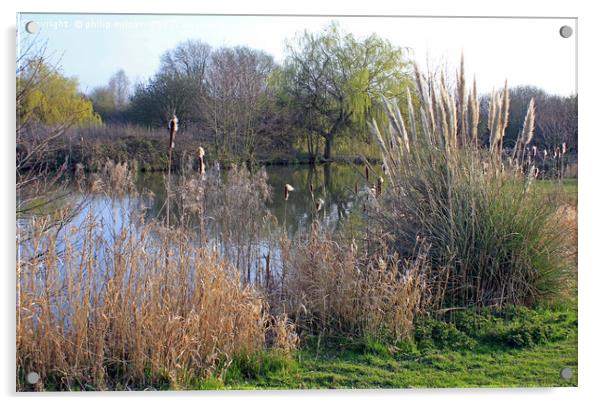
x,y
32,377
566,31
566,373
32,27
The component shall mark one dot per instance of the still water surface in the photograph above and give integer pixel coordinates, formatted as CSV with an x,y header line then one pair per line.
x,y
334,183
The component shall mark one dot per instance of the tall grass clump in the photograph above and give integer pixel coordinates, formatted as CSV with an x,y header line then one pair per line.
x,y
492,241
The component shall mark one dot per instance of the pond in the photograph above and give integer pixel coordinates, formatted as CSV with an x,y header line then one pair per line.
x,y
334,183
244,240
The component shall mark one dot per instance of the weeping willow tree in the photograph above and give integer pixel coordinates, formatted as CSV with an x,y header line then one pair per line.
x,y
332,81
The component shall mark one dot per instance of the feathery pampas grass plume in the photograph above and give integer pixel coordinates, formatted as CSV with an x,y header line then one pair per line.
x,y
499,110
529,124
473,111
526,135
287,189
461,100
505,106
491,117
528,129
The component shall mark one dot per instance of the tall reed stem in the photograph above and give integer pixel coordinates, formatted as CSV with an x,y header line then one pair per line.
x,y
168,186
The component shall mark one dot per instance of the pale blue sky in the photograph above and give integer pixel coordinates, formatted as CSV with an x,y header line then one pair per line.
x,y
524,51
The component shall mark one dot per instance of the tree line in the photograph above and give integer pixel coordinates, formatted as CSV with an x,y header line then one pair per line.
x,y
239,102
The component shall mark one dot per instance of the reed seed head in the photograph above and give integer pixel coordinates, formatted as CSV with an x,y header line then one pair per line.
x,y
379,186
201,154
173,128
373,191
319,204
287,189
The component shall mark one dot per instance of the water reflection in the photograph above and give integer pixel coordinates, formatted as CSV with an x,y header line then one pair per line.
x,y
246,239
335,183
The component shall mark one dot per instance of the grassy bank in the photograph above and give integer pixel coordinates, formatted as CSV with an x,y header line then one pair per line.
x,y
568,187
492,359
514,348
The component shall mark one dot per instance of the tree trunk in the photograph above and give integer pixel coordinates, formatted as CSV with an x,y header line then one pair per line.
x,y
328,147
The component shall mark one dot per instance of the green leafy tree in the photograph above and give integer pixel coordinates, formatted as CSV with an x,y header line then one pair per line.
x,y
54,101
331,79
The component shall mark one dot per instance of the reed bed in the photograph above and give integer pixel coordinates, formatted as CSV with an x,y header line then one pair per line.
x,y
121,316
227,210
332,288
141,306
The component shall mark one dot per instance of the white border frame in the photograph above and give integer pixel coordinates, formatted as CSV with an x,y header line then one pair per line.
x,y
590,144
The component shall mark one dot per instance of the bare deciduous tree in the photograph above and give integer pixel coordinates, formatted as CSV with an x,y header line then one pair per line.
x,y
237,99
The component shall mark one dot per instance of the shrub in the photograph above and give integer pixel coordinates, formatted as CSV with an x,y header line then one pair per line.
x,y
526,335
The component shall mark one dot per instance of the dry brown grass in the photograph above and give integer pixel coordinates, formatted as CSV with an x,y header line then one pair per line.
x,y
132,305
334,289
97,315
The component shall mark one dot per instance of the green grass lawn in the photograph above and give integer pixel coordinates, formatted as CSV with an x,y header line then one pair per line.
x,y
483,368
494,359
567,190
